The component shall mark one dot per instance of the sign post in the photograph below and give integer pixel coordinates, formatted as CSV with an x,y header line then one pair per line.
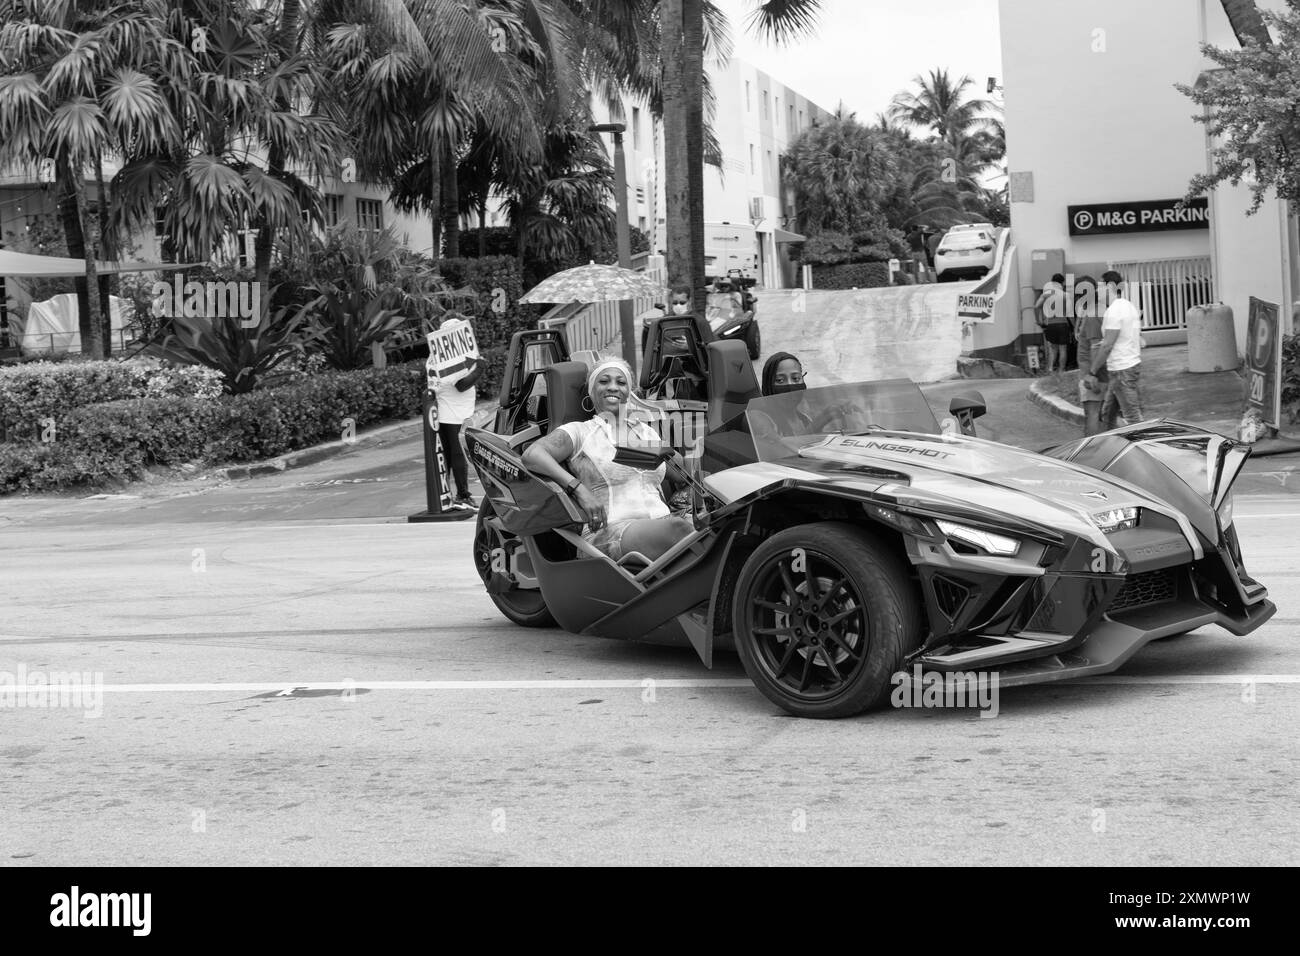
x,y
450,349
1263,369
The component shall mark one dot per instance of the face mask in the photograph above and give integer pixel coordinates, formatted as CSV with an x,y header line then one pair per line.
x,y
680,309
782,389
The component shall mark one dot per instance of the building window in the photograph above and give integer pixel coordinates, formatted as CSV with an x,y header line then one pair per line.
x,y
766,113
640,194
332,209
166,249
751,158
777,115
370,214
636,128
640,223
769,162
749,108
789,118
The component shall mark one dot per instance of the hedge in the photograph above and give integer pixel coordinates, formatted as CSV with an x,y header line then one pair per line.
x,y
117,440
36,391
851,275
499,283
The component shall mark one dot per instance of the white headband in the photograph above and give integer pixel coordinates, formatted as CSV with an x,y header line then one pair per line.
x,y
601,367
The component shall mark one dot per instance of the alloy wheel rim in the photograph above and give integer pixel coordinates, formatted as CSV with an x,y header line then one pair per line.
x,y
811,627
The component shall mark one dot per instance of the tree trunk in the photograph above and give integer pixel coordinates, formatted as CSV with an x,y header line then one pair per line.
x,y
682,26
91,251
482,229
107,250
75,238
286,43
435,205
1246,22
451,205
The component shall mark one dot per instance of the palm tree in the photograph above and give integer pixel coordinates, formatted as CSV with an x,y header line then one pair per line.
x,y
245,159
940,104
687,30
75,89
839,173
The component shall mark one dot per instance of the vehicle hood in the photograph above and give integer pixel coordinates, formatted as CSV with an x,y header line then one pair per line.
x,y
954,473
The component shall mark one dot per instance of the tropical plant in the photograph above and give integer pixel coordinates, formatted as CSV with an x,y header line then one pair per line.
x,y
839,174
1250,106
941,104
247,357
77,89
249,141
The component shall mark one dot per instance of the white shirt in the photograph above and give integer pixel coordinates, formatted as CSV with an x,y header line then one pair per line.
x,y
1123,315
455,406
629,493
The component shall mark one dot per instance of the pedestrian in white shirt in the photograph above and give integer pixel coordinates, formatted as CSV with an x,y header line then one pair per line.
x,y
1120,350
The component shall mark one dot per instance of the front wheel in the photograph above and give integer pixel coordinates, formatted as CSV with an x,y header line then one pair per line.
x,y
824,616
497,563
752,340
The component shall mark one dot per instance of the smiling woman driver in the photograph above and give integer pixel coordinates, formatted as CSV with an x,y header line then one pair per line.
x,y
625,505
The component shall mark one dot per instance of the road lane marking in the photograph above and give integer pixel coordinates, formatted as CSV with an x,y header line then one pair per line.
x,y
286,688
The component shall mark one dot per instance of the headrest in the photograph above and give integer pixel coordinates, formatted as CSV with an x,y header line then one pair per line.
x,y
732,382
566,386
659,349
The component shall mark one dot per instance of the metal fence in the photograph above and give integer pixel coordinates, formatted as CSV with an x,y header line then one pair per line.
x,y
1164,289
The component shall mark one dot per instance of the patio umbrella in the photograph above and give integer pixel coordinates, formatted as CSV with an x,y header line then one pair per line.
x,y
593,283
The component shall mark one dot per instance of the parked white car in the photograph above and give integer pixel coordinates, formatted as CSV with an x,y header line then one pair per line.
x,y
965,252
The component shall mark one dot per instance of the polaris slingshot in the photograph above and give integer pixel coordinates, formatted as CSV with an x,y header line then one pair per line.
x,y
842,537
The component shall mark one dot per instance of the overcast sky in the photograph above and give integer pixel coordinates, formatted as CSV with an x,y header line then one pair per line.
x,y
865,51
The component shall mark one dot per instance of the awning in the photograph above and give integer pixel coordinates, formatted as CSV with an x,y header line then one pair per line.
x,y
782,235
26,264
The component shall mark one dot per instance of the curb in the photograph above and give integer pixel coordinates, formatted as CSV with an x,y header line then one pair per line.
x,y
483,413
1056,405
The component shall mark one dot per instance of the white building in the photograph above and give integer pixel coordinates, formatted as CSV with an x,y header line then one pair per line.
x,y
757,119
1100,144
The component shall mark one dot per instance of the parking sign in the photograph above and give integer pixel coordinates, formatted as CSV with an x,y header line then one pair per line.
x,y
1264,362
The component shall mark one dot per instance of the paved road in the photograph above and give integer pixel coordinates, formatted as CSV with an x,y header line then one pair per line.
x,y
203,610
204,754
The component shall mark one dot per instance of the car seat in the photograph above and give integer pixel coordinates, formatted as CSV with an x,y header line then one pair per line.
x,y
566,387
664,361
732,382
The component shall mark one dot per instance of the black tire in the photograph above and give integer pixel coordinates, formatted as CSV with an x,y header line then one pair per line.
x,y
753,341
875,620
524,606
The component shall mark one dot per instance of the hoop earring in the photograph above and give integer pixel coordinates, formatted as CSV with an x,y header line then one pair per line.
x,y
588,405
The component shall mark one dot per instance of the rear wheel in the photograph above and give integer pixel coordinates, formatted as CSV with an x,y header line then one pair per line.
x,y
498,566
824,616
752,340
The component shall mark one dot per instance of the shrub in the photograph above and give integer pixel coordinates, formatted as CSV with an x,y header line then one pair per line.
x,y
859,275
115,441
498,282
1291,378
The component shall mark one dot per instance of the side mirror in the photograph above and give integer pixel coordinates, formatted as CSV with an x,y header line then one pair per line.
x,y
966,408
647,459
971,404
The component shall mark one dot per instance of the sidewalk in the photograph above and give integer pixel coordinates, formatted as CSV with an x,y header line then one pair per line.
x,y
1212,400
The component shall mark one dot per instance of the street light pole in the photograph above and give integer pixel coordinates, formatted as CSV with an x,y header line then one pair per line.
x,y
626,321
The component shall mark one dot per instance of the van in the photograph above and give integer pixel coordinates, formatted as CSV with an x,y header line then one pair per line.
x,y
730,251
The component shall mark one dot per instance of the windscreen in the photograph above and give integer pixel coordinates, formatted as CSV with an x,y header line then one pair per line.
x,y
791,421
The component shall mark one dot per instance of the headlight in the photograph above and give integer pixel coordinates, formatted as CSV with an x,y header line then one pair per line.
x,y
985,541
1116,519
1225,512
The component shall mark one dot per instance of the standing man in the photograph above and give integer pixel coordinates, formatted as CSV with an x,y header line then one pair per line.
x,y
1120,352
456,396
